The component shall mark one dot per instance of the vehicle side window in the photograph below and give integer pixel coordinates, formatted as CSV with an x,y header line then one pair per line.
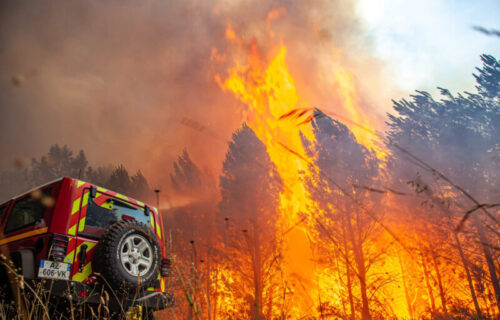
x,y
29,210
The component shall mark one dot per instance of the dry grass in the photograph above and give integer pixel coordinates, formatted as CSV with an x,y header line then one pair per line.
x,y
33,300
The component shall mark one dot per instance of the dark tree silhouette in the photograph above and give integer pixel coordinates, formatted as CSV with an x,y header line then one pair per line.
x,y
458,136
58,162
186,174
193,230
248,211
343,162
100,175
119,180
139,187
488,78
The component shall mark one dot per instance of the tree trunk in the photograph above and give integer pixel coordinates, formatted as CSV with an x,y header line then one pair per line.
x,y
440,282
427,283
407,295
489,261
339,277
257,275
467,272
348,269
360,264
349,288
270,295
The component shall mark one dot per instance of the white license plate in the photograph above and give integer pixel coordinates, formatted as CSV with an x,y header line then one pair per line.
x,y
54,270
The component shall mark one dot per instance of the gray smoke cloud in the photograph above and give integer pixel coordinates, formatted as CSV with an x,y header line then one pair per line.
x,y
119,78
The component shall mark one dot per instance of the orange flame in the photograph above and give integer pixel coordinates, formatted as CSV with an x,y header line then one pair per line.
x,y
266,87
269,92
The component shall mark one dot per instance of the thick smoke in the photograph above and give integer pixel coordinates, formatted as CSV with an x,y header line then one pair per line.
x,y
121,79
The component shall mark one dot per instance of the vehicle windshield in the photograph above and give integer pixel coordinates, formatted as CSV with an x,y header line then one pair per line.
x,y
112,210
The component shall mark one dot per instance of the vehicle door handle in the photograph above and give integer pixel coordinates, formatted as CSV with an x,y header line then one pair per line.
x,y
83,256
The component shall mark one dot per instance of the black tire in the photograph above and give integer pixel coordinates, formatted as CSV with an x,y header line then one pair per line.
x,y
108,256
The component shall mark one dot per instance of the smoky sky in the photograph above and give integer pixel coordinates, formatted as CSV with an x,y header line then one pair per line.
x,y
118,79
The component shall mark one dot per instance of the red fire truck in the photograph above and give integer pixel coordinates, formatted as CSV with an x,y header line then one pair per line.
x,y
84,239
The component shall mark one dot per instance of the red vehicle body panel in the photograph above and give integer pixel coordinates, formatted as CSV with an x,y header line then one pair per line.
x,y
66,217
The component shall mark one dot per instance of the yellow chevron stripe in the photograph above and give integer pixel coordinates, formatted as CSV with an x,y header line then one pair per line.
x,y
81,224
69,256
102,190
158,230
151,219
153,288
86,272
23,235
87,269
72,230
140,203
85,199
76,206
79,183
108,204
121,196
162,284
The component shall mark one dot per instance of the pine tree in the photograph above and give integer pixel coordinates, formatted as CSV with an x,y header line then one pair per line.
x,y
339,161
58,162
119,180
248,211
140,187
457,136
186,174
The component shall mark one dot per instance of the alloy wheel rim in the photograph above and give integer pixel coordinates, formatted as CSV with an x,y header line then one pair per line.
x,y
136,255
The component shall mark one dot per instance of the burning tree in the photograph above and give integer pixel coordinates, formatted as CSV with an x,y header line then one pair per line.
x,y
458,136
247,216
340,165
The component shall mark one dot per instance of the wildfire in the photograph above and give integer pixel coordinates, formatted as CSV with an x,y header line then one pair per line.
x,y
268,90
281,119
